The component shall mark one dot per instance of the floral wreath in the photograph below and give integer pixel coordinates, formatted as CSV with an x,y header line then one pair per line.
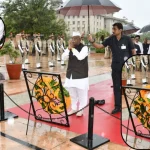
x,y
48,94
142,107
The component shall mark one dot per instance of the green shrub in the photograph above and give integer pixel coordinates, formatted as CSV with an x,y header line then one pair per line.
x,y
100,50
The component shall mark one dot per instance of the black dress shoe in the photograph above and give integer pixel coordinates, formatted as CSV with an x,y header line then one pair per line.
x,y
99,102
116,110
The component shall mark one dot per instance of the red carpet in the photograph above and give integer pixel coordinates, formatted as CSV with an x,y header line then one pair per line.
x,y
104,124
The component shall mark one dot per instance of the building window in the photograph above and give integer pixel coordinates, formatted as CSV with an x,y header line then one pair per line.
x,y
68,22
97,23
73,29
97,29
73,22
83,16
97,17
83,22
78,28
68,17
83,29
78,22
73,16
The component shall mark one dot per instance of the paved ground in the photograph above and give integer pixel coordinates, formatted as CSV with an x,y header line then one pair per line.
x,y
45,136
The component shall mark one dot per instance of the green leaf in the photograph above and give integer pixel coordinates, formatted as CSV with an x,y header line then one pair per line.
x,y
36,87
62,108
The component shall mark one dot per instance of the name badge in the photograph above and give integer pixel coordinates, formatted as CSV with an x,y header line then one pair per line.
x,y
123,47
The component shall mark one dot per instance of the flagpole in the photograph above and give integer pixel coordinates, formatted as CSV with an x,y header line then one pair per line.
x,y
88,19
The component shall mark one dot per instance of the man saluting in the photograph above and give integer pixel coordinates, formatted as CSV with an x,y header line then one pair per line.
x,y
77,82
122,48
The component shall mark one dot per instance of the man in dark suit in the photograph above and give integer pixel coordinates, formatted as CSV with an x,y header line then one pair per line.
x,y
137,47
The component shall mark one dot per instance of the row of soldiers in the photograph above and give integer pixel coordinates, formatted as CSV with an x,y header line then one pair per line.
x,y
55,49
40,49
139,62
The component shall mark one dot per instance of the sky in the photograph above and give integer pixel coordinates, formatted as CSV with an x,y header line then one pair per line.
x,y
137,10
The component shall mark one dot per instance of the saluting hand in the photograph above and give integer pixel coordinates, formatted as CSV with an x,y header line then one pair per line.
x,y
71,45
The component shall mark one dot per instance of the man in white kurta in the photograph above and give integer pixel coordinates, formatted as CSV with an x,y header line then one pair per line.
x,y
77,82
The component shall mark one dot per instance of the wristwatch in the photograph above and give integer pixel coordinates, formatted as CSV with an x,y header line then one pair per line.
x,y
92,41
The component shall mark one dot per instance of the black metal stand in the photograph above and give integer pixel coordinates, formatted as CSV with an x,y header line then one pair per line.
x,y
89,140
4,115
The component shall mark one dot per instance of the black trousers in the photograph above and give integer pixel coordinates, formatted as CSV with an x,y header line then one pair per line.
x,y
116,78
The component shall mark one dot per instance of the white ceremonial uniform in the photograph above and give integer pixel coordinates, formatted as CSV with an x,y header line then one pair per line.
x,y
38,47
78,88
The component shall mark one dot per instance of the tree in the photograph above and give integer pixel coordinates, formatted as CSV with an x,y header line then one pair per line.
x,y
101,35
32,16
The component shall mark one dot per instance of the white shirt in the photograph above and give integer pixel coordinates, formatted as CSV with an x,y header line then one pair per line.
x,y
78,83
148,50
1,29
141,46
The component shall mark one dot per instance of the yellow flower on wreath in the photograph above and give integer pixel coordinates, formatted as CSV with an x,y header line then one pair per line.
x,y
142,107
48,94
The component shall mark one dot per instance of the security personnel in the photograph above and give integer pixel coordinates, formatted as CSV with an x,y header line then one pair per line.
x,y
38,51
122,48
58,44
63,47
146,46
22,45
51,50
137,41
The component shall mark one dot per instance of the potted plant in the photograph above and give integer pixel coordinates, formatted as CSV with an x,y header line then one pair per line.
x,y
14,69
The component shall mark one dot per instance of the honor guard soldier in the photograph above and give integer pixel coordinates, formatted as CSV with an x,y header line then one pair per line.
x,y
122,48
82,39
144,66
38,51
11,40
63,47
58,44
133,67
44,45
51,50
23,47
27,57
